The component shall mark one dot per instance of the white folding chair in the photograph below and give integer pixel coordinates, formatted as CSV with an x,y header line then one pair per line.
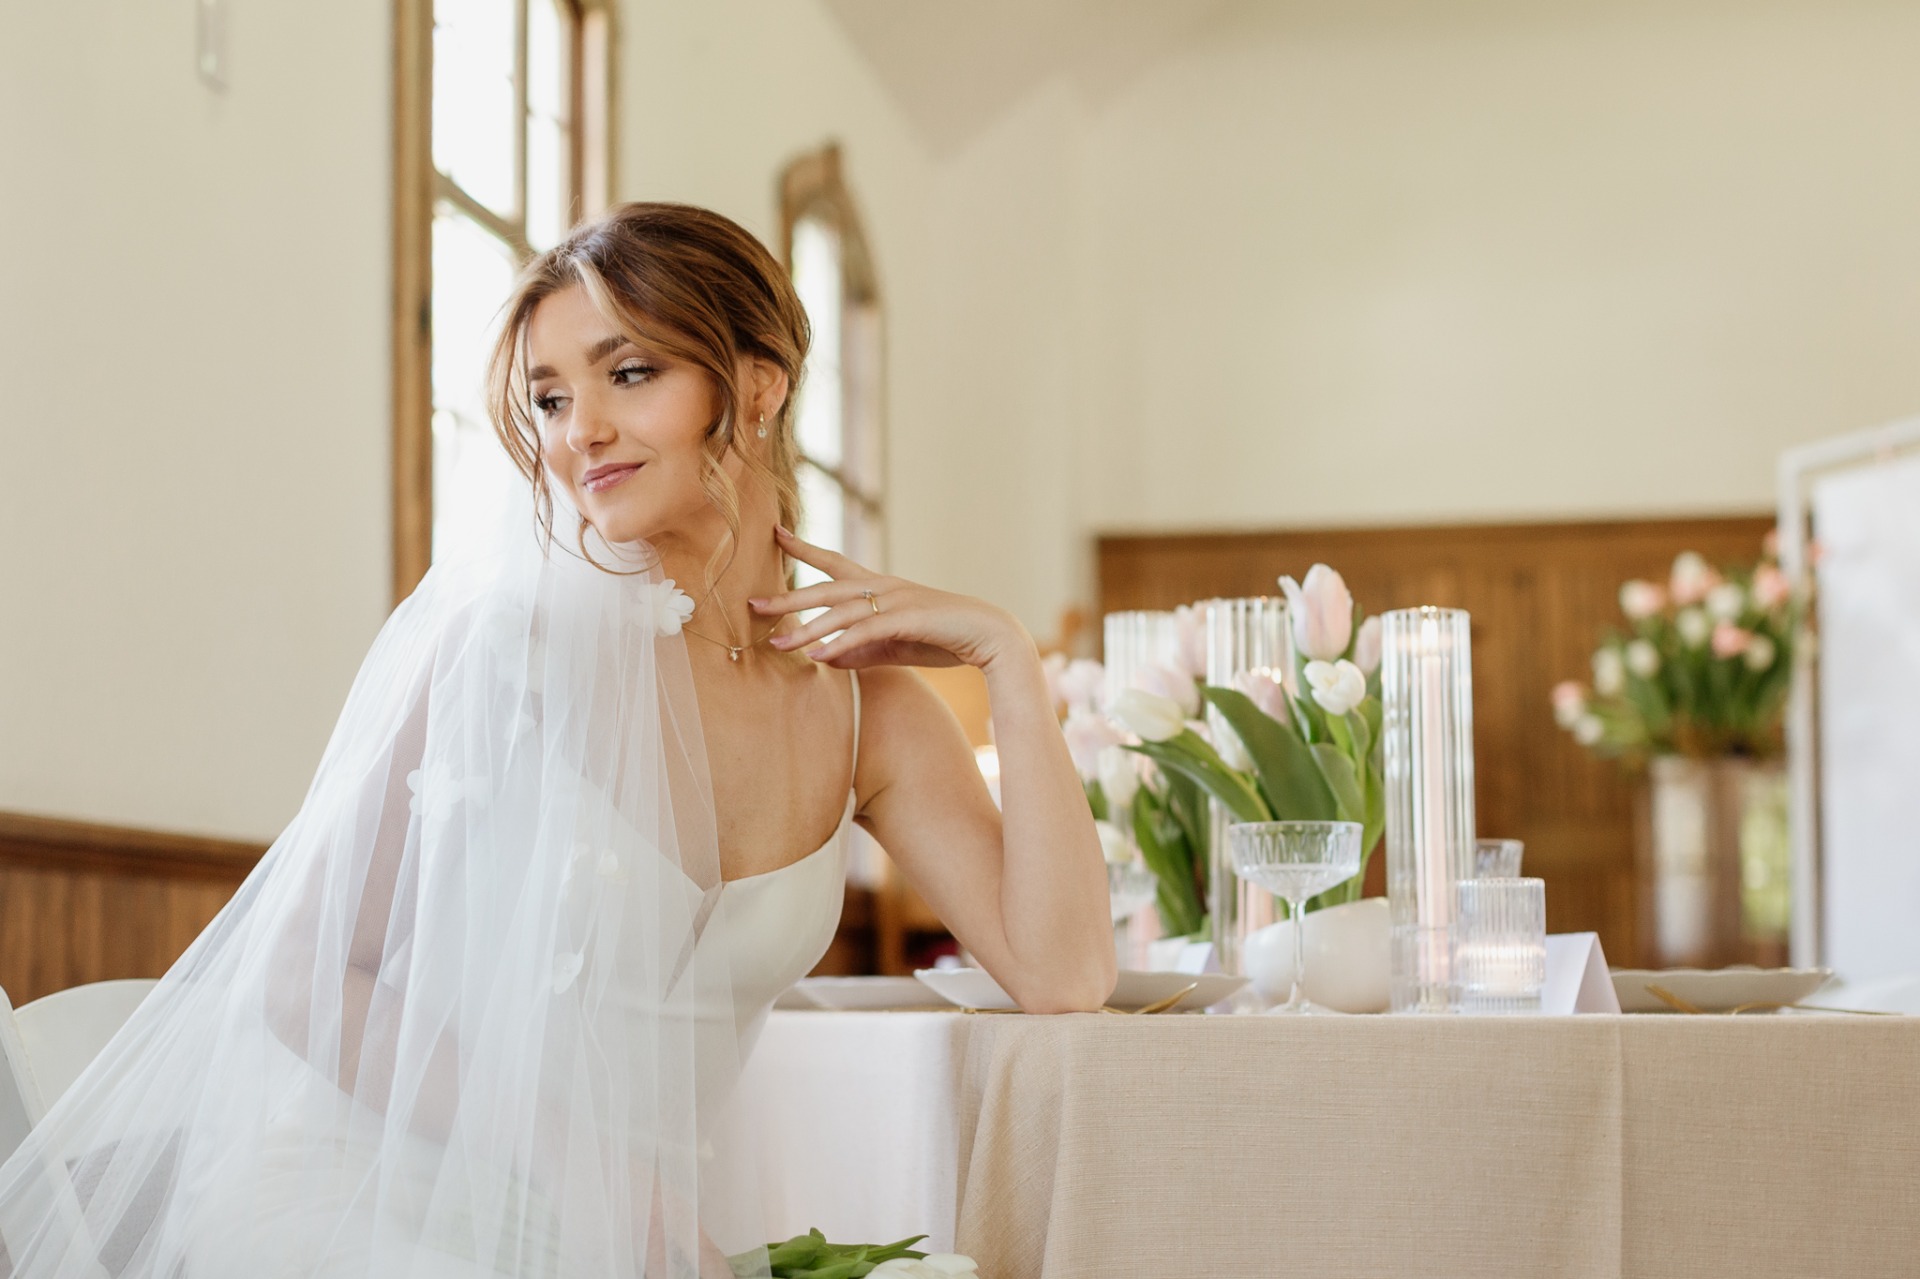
x,y
63,1032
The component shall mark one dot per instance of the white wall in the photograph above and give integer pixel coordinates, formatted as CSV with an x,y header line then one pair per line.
x,y
1391,262
194,439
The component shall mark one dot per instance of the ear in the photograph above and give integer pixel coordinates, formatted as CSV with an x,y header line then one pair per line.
x,y
766,385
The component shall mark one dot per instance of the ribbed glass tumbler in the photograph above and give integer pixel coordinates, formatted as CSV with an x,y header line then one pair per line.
x,y
1244,636
1131,640
1500,945
1426,686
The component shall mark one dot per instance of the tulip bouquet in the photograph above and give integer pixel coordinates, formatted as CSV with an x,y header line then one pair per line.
x,y
1701,669
1142,811
810,1256
1300,744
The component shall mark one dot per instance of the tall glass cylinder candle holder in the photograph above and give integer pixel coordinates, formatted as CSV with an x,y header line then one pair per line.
x,y
1131,640
1426,686
1243,636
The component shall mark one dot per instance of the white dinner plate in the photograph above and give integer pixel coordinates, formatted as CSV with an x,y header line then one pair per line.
x,y
1715,990
974,988
856,994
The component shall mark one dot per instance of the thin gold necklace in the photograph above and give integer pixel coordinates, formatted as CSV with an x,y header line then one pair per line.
x,y
733,650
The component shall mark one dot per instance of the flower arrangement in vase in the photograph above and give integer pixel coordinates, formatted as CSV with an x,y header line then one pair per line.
x,y
1690,696
1302,743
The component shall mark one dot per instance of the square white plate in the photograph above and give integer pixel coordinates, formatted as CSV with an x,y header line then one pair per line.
x,y
1715,990
975,988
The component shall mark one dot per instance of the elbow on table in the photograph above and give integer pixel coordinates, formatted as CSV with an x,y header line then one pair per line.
x,y
1083,991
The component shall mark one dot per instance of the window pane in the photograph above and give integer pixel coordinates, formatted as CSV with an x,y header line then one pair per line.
x,y
822,517
474,100
472,275
817,279
549,62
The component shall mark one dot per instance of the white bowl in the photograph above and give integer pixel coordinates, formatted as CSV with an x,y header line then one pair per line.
x,y
1347,957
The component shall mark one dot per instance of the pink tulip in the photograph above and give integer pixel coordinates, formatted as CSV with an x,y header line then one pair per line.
x,y
1770,587
1322,614
1730,640
1088,734
1366,649
1176,686
1640,600
1265,692
1569,702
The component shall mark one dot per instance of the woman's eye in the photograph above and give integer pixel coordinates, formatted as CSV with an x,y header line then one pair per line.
x,y
633,373
549,404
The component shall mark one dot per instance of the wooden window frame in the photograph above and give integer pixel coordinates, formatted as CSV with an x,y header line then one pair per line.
x,y
814,186
418,187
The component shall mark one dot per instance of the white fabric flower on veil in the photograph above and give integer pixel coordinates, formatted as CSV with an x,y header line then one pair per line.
x,y
671,608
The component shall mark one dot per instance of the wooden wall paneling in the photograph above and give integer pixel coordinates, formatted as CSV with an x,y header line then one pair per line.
x,y
1540,596
81,902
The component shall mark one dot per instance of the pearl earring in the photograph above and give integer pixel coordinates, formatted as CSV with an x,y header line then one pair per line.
x,y
763,426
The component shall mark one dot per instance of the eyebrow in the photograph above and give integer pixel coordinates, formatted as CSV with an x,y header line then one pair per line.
x,y
597,352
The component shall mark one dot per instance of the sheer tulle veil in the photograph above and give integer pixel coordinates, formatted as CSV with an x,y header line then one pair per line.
x,y
470,1016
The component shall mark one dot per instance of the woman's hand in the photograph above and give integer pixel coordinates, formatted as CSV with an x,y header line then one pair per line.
x,y
887,621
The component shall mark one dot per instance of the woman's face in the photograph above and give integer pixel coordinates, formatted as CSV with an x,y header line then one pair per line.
x,y
622,427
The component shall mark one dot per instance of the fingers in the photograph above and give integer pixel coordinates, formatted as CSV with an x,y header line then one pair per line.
x,y
832,563
839,618
819,595
859,633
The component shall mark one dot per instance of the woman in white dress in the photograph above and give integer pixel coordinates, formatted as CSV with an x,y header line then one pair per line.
x,y
480,1009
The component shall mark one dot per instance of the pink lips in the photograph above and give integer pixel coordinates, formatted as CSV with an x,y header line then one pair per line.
x,y
602,478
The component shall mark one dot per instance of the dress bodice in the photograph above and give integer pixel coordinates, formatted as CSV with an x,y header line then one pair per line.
x,y
779,924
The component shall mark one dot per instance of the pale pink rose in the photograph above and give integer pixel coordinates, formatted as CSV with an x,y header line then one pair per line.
x,y
1082,684
1322,613
1640,599
1730,640
1176,686
1366,649
1770,587
1265,692
1569,702
1088,733
1190,641
1692,578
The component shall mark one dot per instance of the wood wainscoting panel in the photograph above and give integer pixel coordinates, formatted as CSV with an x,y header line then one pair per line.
x,y
81,902
1540,596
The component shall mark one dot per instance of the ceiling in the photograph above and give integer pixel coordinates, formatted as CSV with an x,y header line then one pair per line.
x,y
956,66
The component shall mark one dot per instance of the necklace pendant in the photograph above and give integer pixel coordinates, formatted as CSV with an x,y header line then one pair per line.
x,y
733,654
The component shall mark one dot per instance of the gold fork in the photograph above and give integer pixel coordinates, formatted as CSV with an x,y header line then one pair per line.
x,y
1680,1005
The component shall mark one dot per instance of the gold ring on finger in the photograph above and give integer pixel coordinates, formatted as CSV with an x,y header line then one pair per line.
x,y
871,601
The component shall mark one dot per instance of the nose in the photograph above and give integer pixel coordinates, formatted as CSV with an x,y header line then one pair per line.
x,y
588,427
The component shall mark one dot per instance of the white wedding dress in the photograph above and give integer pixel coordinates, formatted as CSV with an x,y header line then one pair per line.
x,y
480,1010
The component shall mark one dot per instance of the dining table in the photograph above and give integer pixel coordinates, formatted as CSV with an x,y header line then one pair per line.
x,y
1056,1147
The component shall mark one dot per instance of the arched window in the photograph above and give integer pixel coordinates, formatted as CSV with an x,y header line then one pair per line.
x,y
501,145
839,417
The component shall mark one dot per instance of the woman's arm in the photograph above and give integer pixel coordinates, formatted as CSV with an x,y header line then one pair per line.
x,y
1024,888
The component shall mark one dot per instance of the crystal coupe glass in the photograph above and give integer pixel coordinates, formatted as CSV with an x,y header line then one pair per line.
x,y
1296,861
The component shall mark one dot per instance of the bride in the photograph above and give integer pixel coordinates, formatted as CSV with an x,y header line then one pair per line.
x,y
480,1009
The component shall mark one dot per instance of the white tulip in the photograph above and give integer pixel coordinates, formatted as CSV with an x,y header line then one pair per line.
x,y
950,1263
1119,779
1588,729
1088,733
1366,648
1322,613
1609,672
1726,601
1643,659
1760,654
1337,686
1233,750
1694,627
1082,683
1190,641
1149,716
1692,578
1169,683
1113,845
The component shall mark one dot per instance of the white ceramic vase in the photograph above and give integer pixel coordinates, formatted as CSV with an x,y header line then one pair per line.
x,y
1347,957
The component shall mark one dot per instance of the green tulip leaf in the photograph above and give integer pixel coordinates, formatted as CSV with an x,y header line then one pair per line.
x,y
1290,777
